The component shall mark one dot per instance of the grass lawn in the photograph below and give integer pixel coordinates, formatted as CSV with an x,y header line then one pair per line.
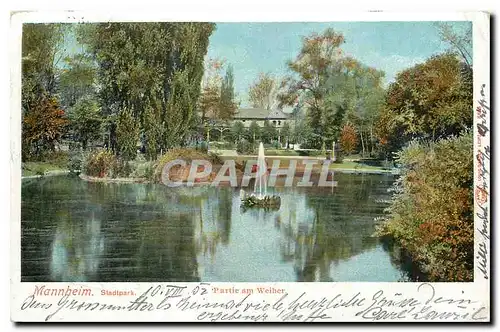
x,y
285,162
40,167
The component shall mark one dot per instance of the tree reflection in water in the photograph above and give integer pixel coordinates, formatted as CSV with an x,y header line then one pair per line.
x,y
76,249
78,231
318,229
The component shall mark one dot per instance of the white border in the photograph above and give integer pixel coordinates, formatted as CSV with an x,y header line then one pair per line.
x,y
479,290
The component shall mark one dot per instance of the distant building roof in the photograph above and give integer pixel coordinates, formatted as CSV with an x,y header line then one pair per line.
x,y
260,114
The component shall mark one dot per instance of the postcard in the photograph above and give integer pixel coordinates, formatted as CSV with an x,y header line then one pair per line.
x,y
202,170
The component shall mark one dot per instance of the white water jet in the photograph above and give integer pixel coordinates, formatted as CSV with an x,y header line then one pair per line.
x,y
260,188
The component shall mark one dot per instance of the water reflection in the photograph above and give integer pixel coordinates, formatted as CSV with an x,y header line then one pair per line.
x,y
76,249
78,231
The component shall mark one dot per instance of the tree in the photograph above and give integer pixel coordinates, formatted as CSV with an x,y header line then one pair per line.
x,y
40,46
263,91
460,42
364,97
227,105
43,127
285,133
127,134
157,65
85,121
320,74
152,132
431,100
254,131
77,79
269,132
237,131
348,139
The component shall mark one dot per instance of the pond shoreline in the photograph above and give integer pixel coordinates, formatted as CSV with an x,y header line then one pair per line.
x,y
46,174
146,181
113,180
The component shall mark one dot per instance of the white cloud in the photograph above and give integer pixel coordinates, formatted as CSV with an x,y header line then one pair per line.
x,y
391,64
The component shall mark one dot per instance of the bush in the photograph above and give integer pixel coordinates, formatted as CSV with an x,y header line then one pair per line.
x,y
431,215
120,168
143,170
105,164
99,163
202,146
75,161
244,147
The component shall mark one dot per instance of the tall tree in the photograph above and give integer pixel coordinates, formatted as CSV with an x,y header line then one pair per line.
x,y
228,104
431,100
40,54
254,131
237,131
143,65
85,121
263,91
43,127
77,79
460,41
285,133
319,67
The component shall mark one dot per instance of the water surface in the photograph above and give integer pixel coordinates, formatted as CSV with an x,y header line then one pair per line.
x,y
74,230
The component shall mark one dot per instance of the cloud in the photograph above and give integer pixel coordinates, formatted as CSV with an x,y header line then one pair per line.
x,y
390,64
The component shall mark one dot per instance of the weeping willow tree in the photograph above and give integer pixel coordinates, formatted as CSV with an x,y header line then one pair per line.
x,y
149,69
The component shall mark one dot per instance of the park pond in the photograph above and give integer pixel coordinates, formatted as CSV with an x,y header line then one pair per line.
x,y
74,230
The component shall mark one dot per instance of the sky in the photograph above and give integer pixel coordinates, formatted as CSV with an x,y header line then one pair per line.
x,y
252,48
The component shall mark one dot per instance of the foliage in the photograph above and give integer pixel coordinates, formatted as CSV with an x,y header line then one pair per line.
x,y
75,161
127,134
77,79
237,131
43,127
244,147
85,121
460,41
143,65
99,163
254,131
268,132
217,103
152,130
431,100
104,163
263,91
334,89
431,215
285,132
40,44
144,170
319,55
227,104
348,139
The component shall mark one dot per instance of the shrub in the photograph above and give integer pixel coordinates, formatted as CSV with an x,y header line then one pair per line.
x,y
244,147
75,161
143,170
99,163
431,215
202,146
120,168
